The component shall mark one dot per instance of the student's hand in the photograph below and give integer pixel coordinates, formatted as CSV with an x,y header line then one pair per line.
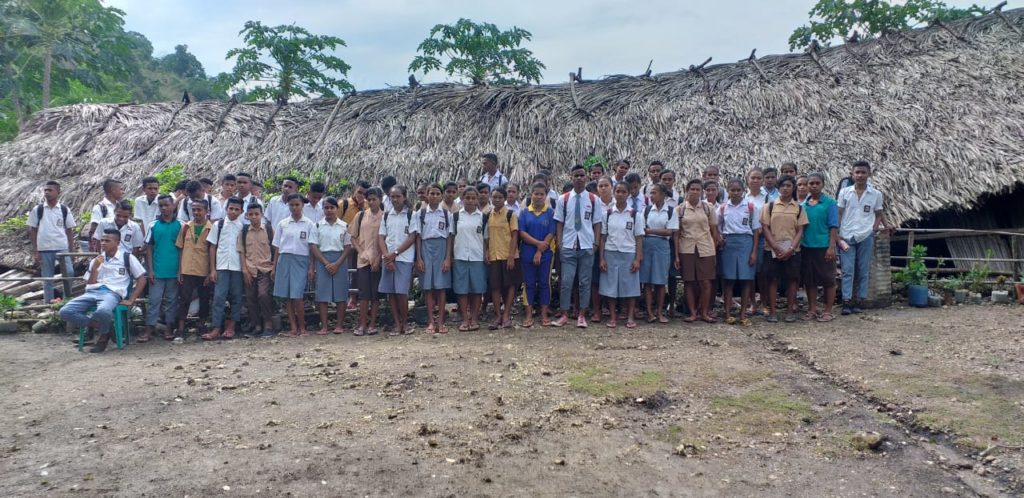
x,y
421,267
721,242
391,266
37,258
181,280
635,267
830,254
536,259
212,278
247,278
310,274
678,264
603,265
752,261
375,266
542,246
511,264
273,272
151,278
206,281
97,262
446,266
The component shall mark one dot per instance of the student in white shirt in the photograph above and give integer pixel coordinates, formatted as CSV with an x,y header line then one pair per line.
x,y
756,194
578,215
468,244
654,176
147,209
739,222
635,200
194,191
110,275
621,254
332,252
860,216
226,271
51,230
113,192
492,177
661,223
277,207
314,209
432,225
243,190
132,239
397,244
293,237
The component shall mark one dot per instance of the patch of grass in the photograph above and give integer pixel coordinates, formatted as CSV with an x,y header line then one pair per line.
x,y
975,407
764,409
741,377
601,382
675,436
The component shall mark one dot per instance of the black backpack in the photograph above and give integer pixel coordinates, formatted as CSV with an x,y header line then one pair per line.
x,y
799,210
483,220
270,236
423,217
408,218
63,213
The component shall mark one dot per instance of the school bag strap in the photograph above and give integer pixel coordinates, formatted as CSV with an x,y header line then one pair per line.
x,y
647,212
799,210
220,230
455,223
565,204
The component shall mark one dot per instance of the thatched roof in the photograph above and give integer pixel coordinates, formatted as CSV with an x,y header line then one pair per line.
x,y
939,112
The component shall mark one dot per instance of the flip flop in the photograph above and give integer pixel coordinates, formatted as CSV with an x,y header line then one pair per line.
x,y
442,330
322,332
611,324
652,319
630,324
545,323
689,319
528,323
662,320
730,321
809,316
745,322
826,317
463,327
494,326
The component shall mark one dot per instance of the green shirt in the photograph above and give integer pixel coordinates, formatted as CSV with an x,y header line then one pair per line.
x,y
821,218
162,236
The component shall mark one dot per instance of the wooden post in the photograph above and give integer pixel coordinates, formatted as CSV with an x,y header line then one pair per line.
x,y
910,244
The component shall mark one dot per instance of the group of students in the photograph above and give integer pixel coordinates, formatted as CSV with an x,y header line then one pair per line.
x,y
610,240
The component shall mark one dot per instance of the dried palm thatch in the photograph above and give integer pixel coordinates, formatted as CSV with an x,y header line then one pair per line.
x,y
939,112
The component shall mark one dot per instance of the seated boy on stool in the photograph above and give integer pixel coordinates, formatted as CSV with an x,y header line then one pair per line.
x,y
110,273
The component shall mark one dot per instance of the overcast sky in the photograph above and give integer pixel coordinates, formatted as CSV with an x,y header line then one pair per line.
x,y
603,36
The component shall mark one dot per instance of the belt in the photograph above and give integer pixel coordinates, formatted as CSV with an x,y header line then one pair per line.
x,y
657,237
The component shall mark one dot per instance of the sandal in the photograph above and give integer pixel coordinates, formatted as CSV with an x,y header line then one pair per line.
x,y
528,323
652,319
442,330
463,327
143,338
611,324
689,319
507,324
358,331
290,334
494,326
730,321
745,322
429,330
409,330
545,323
322,332
662,320
372,331
772,319
473,327
810,315
826,317
631,324
709,319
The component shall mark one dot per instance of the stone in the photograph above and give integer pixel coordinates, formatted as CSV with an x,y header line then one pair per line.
x,y
867,440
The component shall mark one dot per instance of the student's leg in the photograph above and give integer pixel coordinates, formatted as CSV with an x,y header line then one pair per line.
x,y
812,299
475,301
585,265
74,311
156,297
727,287
510,297
340,308
612,314
530,290
205,296
630,311
220,296
322,308
300,315
402,311
441,299
660,301
830,298
47,264
689,294
649,301
745,297
185,291
791,287
235,291
566,278
771,295
266,301
706,297
464,310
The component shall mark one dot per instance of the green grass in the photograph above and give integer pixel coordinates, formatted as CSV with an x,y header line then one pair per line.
x,y
764,409
601,382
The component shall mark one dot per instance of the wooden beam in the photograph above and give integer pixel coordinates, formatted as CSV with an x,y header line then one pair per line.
x,y
327,126
220,120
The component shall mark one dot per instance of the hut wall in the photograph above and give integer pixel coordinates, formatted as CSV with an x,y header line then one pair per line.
x,y
880,281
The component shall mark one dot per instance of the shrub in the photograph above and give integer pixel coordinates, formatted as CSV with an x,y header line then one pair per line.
x,y
915,273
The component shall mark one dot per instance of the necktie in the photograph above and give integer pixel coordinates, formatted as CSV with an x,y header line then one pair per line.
x,y
578,225
635,201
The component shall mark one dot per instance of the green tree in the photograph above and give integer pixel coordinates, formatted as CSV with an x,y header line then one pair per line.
x,y
301,64
183,63
839,19
480,53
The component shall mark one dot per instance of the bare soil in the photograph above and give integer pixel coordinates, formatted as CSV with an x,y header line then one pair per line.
x,y
677,410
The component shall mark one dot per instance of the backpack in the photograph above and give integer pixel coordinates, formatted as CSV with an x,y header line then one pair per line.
x,y
750,213
707,208
423,218
270,236
632,214
565,204
483,221
799,210
63,213
408,218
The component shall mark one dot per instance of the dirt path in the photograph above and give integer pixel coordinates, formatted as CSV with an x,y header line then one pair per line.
x,y
680,410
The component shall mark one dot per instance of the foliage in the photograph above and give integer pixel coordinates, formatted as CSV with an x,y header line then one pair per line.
x,y
13,224
1000,283
272,185
183,63
595,159
8,304
302,63
839,19
915,273
952,283
169,177
979,273
480,53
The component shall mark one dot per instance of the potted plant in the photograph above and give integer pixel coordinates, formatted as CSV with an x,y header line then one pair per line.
x,y
1000,293
950,285
915,276
7,306
977,277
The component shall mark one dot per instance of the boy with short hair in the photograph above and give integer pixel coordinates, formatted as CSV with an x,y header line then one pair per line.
x,y
51,230
226,271
113,191
244,190
162,258
257,262
636,200
578,232
227,188
860,215
197,191
132,238
771,179
276,208
314,209
194,267
147,209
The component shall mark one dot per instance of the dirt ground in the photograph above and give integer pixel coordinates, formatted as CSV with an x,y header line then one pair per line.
x,y
675,410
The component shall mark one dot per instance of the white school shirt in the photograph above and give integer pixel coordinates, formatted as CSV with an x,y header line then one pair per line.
x,y
146,211
185,209
276,210
245,208
758,200
97,211
591,214
495,180
552,197
436,223
51,231
858,213
737,219
395,227
227,250
469,237
621,228
664,218
314,213
131,234
332,237
114,276
294,237
637,203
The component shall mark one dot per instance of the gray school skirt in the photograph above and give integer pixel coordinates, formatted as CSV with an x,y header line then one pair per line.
x,y
735,256
395,282
331,288
290,276
470,277
657,260
434,251
618,281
